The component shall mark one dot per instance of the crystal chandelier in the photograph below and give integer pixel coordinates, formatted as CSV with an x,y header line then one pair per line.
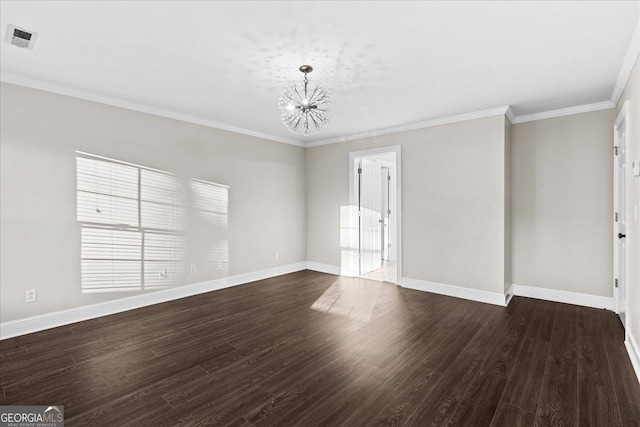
x,y
304,106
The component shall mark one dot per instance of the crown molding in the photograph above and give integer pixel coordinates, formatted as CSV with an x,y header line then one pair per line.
x,y
143,108
564,112
510,114
413,126
627,65
631,56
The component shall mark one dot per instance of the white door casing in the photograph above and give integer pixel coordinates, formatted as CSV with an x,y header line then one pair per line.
x,y
391,237
396,200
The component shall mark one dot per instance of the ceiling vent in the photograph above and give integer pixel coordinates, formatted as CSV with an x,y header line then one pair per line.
x,y
21,37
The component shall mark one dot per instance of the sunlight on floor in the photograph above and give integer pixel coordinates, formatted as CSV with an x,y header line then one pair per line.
x,y
387,273
357,299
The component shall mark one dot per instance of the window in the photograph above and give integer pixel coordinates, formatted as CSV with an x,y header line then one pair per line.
x,y
132,222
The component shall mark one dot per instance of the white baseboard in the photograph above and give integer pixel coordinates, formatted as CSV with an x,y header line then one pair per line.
x,y
634,353
324,268
508,295
566,297
65,317
495,298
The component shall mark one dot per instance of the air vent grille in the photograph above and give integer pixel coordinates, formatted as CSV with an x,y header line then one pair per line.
x,y
20,37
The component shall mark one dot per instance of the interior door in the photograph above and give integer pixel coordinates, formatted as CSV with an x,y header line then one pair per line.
x,y
370,177
385,225
620,229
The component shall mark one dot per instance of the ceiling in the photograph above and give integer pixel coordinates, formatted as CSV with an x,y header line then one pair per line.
x,y
387,64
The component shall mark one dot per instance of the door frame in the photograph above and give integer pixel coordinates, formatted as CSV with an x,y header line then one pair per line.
x,y
623,115
353,191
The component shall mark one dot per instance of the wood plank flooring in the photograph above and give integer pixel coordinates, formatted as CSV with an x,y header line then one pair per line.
x,y
309,349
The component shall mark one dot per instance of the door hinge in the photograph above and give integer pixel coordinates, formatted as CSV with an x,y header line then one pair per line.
x,y
616,216
615,150
389,212
388,177
359,170
616,283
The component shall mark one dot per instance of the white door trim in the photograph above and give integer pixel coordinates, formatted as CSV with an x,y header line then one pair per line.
x,y
622,116
353,190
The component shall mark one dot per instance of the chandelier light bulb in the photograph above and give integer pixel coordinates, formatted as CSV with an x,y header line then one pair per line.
x,y
303,105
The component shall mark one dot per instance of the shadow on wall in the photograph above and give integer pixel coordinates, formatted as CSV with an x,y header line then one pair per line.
x,y
143,229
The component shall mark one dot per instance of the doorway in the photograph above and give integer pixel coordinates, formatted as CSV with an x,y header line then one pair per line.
x,y
620,255
375,195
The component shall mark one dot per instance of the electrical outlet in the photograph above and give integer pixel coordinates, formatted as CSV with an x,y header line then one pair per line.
x,y
31,295
193,268
277,255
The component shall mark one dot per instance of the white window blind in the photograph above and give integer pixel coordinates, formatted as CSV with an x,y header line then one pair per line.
x,y
107,192
131,221
161,201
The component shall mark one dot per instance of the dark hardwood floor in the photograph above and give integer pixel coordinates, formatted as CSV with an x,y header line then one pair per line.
x,y
313,349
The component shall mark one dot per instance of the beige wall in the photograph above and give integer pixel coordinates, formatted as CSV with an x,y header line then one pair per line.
x,y
453,201
40,240
562,198
485,203
632,93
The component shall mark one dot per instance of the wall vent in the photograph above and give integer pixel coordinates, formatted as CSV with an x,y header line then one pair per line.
x,y
20,37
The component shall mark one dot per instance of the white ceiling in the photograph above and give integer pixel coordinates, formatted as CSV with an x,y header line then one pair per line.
x,y
387,64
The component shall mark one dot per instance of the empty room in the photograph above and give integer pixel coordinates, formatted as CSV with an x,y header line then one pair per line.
x,y
320,213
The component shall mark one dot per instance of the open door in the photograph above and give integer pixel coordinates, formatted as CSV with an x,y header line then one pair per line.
x,y
370,202
371,226
620,215
385,227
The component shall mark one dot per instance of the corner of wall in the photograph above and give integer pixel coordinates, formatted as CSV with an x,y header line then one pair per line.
x,y
507,205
